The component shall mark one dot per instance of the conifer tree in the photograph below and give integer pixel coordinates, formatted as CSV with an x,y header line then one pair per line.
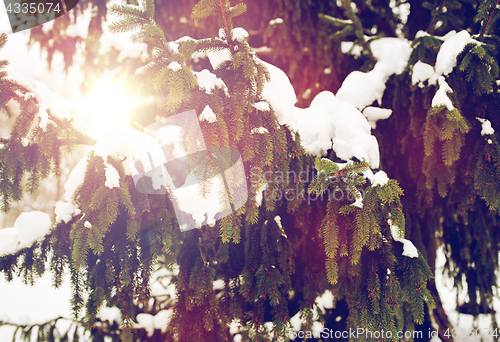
x,y
277,254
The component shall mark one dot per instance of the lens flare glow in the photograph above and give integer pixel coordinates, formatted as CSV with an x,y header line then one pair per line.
x,y
109,107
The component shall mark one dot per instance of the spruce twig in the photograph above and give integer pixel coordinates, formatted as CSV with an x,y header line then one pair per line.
x,y
358,28
432,25
484,28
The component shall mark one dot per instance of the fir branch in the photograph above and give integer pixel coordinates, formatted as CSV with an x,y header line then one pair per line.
x,y
126,26
80,137
227,23
483,6
432,24
3,40
358,28
204,9
335,21
237,10
135,18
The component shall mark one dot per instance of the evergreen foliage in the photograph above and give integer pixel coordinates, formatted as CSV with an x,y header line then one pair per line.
x,y
346,235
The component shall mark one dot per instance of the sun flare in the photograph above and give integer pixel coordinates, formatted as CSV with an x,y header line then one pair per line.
x,y
109,107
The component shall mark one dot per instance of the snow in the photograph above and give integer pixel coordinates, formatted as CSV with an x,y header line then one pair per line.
x,y
327,117
409,249
307,93
48,26
208,115
349,47
208,81
259,130
202,209
200,200
218,57
28,65
219,285
170,135
368,174
26,304
150,322
157,290
112,177
318,326
276,21
373,114
279,93
132,146
239,34
80,27
26,96
422,33
222,33
75,179
31,226
262,105
260,194
183,39
4,21
174,46
325,301
449,296
64,211
441,97
47,96
392,52
359,201
8,241
121,42
235,326
421,72
296,321
447,56
140,70
277,219
44,118
58,104
361,89
28,228
111,315
175,66
162,285
380,178
402,11
486,128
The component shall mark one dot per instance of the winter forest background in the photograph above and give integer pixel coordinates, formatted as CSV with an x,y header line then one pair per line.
x,y
366,195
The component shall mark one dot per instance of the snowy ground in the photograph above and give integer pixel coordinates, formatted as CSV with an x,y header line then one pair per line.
x,y
460,321
37,304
